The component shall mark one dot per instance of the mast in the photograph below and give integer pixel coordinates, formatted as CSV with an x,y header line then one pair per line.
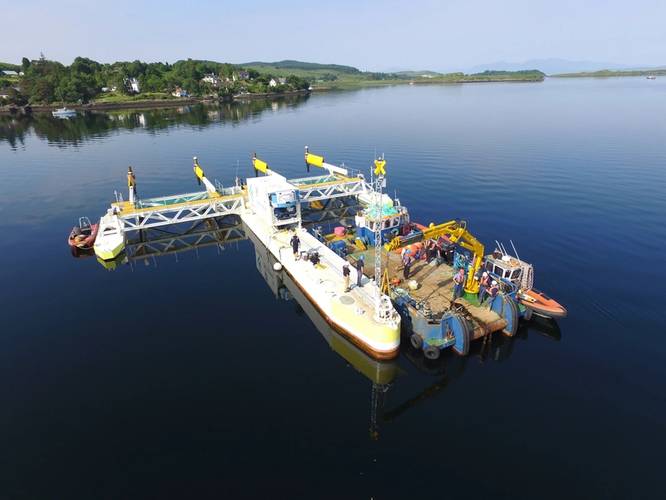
x,y
379,182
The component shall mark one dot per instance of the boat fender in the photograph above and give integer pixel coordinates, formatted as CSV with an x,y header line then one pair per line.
x,y
457,326
277,267
510,314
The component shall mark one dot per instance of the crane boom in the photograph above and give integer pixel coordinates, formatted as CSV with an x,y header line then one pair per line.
x,y
457,233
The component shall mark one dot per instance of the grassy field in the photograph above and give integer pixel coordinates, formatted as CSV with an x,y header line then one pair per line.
x,y
113,97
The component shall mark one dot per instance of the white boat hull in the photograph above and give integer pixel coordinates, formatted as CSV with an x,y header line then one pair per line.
x,y
350,313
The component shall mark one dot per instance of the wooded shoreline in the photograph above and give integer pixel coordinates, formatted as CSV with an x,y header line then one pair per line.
x,y
144,104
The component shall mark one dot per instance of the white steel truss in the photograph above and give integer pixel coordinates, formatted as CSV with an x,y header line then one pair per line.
x,y
166,215
331,189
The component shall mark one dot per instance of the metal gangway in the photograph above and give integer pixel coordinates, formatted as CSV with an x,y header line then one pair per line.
x,y
218,201
137,214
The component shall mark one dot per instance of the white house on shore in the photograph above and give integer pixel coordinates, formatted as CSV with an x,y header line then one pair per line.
x,y
272,83
132,85
212,78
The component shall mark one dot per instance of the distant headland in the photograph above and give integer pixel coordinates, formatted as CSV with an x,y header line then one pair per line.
x,y
44,84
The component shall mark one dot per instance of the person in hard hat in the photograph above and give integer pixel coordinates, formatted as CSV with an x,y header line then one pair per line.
x,y
440,252
459,282
359,271
407,265
295,242
484,284
492,293
345,274
431,251
449,253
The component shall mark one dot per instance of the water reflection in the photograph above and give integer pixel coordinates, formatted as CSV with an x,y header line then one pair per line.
x,y
381,374
88,125
395,386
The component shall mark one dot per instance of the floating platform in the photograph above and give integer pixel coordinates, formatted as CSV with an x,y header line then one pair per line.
x,y
352,314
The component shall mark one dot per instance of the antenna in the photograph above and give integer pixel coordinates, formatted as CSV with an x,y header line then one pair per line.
x,y
514,249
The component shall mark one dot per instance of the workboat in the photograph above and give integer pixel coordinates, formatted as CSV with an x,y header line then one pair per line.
x,y
83,235
651,77
63,112
520,274
110,239
431,316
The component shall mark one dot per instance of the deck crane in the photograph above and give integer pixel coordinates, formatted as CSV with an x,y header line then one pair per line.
x,y
201,177
456,231
312,160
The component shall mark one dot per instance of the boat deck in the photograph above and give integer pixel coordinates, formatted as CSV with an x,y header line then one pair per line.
x,y
351,313
436,288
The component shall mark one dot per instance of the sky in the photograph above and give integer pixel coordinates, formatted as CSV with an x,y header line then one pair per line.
x,y
389,35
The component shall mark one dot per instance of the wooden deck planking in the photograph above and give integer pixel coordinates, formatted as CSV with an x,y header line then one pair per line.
x,y
436,287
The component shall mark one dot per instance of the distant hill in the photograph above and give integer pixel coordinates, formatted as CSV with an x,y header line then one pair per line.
x,y
300,65
605,73
550,66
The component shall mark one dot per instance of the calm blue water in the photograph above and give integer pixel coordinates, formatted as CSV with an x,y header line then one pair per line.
x,y
186,376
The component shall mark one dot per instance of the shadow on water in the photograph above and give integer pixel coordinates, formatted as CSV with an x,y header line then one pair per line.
x,y
88,125
146,247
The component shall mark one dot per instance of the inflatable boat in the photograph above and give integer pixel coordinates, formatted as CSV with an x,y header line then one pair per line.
x,y
83,236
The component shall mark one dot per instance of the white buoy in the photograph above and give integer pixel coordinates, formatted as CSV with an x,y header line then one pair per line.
x,y
277,267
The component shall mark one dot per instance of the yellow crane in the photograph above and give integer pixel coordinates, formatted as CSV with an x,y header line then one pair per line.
x,y
457,233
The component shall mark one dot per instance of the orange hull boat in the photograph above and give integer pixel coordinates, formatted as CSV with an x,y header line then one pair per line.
x,y
542,305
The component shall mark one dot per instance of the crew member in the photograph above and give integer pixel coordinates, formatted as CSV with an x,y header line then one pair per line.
x,y
359,271
345,273
295,242
407,265
450,250
483,286
492,292
459,281
431,251
441,253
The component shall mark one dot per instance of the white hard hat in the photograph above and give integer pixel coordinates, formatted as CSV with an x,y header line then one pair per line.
x,y
484,274
494,282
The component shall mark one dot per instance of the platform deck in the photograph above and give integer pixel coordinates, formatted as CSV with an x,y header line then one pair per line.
x,y
436,288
